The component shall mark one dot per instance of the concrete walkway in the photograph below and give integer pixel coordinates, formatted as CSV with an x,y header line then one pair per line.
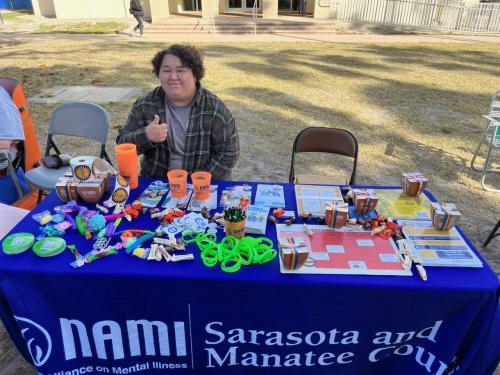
x,y
249,38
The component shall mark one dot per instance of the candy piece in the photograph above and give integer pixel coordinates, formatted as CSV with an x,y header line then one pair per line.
x,y
96,223
103,209
180,258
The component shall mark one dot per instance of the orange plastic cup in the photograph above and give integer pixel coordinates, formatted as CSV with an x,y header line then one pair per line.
x,y
128,164
201,184
177,178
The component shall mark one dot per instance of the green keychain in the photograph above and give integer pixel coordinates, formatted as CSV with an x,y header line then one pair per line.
x,y
17,243
49,247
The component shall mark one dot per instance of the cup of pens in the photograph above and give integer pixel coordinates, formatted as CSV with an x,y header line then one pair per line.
x,y
235,219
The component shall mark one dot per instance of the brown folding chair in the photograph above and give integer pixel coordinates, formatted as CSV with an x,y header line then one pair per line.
x,y
326,140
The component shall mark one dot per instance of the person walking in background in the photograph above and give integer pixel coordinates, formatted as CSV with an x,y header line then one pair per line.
x,y
138,12
302,7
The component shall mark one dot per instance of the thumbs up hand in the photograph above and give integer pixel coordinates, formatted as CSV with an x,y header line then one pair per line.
x,y
157,131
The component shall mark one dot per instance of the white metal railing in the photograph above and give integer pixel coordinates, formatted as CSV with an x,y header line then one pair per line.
x,y
212,16
435,14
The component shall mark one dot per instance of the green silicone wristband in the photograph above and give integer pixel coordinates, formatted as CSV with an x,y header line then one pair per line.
x,y
268,256
229,242
246,253
264,253
228,247
233,268
209,257
210,236
265,241
189,237
249,241
259,251
203,241
211,248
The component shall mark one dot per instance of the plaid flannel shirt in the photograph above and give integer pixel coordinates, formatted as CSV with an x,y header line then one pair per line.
x,y
212,142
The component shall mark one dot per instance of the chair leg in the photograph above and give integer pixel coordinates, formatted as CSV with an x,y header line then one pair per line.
x,y
476,153
485,170
492,234
40,194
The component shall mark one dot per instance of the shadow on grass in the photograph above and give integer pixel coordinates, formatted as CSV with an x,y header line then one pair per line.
x,y
438,58
266,150
317,114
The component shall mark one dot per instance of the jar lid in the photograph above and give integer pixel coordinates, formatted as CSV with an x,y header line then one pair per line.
x,y
17,243
49,246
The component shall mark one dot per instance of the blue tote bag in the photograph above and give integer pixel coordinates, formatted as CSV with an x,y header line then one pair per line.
x,y
8,190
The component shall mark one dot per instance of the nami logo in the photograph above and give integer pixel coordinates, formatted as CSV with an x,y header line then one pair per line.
x,y
37,339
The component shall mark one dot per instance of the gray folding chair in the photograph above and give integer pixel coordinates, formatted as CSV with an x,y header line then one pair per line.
x,y
78,119
491,138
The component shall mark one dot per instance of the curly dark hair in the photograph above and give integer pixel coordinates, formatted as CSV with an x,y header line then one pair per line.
x,y
189,55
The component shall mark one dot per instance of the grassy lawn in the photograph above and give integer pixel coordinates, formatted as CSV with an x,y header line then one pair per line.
x,y
14,15
413,107
83,28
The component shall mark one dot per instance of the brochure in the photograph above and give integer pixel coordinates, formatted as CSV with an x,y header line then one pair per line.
x,y
153,194
256,219
270,196
232,195
180,203
209,204
313,198
438,248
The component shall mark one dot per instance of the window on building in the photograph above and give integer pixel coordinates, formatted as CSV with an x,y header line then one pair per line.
x,y
234,3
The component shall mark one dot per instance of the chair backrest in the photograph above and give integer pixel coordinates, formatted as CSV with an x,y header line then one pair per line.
x,y
79,119
495,102
495,113
327,140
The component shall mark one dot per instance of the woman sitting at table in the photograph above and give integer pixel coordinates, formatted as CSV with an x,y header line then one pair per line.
x,y
11,127
11,133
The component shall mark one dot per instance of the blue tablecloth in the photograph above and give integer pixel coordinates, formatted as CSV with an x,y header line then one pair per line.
x,y
123,315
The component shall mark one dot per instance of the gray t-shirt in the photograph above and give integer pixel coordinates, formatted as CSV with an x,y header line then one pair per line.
x,y
177,120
